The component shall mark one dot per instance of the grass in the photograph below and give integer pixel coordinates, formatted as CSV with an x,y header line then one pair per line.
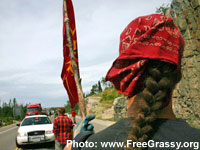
x,y
108,95
109,119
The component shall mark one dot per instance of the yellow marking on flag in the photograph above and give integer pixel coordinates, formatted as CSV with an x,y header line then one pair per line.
x,y
74,43
69,88
69,68
73,31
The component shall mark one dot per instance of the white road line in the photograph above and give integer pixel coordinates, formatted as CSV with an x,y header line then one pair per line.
x,y
2,132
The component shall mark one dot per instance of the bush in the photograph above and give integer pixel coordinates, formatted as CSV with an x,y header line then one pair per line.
x,y
7,120
17,117
109,95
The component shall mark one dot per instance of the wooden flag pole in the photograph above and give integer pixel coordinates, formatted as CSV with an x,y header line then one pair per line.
x,y
74,64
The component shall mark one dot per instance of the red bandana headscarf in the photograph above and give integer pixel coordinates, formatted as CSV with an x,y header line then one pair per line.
x,y
148,37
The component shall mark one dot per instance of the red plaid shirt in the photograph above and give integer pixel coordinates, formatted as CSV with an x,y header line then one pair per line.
x,y
62,128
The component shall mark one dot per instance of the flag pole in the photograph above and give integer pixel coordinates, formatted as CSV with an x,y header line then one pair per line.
x,y
74,64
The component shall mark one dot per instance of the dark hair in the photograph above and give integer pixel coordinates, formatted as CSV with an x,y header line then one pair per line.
x,y
159,80
61,110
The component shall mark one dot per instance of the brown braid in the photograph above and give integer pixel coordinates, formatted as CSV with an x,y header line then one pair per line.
x,y
159,79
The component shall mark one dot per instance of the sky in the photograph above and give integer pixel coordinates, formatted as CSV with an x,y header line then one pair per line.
x,y
31,54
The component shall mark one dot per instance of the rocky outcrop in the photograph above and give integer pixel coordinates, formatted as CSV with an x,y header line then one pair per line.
x,y
186,14
100,110
114,112
120,108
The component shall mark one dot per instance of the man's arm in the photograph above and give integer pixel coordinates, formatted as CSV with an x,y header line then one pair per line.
x,y
55,127
72,126
72,133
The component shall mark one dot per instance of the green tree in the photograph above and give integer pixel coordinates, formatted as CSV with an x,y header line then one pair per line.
x,y
14,102
10,103
94,89
6,110
68,108
99,87
23,112
162,9
103,81
14,105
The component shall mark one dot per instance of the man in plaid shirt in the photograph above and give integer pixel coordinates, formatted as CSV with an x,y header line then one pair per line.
x,y
62,128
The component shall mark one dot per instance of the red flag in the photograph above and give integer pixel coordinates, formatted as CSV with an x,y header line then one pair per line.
x,y
67,71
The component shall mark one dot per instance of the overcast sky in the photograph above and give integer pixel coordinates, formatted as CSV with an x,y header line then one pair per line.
x,y
31,55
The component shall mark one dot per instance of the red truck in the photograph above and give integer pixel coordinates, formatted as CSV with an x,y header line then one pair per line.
x,y
33,109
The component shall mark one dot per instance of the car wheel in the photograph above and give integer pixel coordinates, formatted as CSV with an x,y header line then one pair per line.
x,y
19,146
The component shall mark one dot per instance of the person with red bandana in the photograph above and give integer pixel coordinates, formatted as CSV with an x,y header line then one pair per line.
x,y
146,71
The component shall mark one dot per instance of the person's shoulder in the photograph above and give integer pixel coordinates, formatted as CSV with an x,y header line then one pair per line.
x,y
67,118
182,123
56,119
173,123
176,123
175,130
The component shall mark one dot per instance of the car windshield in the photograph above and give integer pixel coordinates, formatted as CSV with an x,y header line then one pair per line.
x,y
36,121
33,109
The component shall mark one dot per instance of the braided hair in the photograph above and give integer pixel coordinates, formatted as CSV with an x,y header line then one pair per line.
x,y
159,79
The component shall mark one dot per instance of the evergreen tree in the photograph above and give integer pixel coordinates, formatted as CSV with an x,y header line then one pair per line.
x,y
14,102
104,83
94,89
68,108
10,103
14,105
99,87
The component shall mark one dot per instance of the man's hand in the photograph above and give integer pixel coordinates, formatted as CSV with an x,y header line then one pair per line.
x,y
69,147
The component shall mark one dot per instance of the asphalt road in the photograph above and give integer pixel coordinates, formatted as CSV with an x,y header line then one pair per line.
x,y
8,135
99,125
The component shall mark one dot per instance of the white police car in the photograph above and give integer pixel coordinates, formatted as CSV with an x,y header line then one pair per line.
x,y
34,129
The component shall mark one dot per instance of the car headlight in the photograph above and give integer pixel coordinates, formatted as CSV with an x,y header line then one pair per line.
x,y
48,132
21,134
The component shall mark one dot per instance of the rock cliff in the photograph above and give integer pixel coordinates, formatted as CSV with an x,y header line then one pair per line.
x,y
114,111
100,110
186,14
